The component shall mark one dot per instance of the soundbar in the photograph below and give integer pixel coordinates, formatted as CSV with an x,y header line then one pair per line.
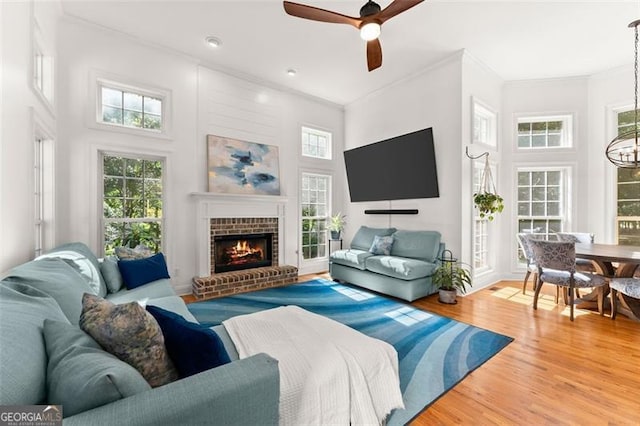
x,y
392,211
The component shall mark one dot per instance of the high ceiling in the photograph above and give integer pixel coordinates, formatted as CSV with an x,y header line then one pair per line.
x,y
516,39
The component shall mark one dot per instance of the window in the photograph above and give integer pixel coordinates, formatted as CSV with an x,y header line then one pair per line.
x,y
132,109
315,209
480,225
628,190
38,192
541,201
544,132
485,125
132,202
316,143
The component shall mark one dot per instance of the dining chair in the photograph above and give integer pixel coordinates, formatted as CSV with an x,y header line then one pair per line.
x,y
531,264
629,287
556,262
582,265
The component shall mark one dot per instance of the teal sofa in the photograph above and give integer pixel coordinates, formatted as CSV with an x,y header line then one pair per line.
x,y
242,392
405,273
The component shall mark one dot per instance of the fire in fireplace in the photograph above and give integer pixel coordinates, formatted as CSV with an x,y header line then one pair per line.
x,y
236,252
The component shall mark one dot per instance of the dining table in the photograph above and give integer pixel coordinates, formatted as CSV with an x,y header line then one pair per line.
x,y
611,261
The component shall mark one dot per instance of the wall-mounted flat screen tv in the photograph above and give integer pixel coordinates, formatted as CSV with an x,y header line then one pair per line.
x,y
403,167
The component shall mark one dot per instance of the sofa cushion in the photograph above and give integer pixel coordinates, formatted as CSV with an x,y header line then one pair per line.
x,y
423,245
84,261
351,257
81,375
57,279
403,268
153,290
382,245
139,272
193,348
174,304
111,274
139,252
23,357
129,332
365,235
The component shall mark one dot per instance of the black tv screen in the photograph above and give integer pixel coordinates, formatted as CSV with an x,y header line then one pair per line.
x,y
399,168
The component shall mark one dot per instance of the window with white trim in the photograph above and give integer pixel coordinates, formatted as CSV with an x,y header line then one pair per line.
x,y
130,108
316,143
315,204
485,125
38,193
542,201
628,192
480,225
547,132
132,202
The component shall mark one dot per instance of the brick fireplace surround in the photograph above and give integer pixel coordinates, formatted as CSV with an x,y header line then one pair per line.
x,y
229,215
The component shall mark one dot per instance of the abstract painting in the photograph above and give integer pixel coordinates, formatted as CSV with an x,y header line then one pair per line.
x,y
239,167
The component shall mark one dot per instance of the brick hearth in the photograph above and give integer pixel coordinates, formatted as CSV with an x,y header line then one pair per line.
x,y
228,283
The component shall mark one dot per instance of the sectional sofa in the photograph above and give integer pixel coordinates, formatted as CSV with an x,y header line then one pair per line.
x,y
405,272
241,392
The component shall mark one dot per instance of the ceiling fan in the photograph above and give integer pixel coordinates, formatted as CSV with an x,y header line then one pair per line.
x,y
372,16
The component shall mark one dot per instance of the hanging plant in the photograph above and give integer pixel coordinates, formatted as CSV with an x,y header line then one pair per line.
x,y
487,200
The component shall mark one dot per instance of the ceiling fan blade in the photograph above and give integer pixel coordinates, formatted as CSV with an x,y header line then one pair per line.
x,y
317,14
374,54
396,7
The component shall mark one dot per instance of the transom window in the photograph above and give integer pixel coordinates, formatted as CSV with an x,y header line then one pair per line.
x,y
541,201
316,143
315,209
544,132
628,189
132,202
485,125
130,109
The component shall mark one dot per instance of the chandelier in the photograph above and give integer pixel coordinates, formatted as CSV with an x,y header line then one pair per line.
x,y
624,150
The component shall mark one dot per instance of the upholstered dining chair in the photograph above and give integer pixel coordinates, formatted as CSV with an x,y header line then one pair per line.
x,y
629,287
531,264
556,261
582,265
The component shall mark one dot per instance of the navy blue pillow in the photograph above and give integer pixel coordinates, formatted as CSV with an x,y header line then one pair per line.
x,y
192,347
143,271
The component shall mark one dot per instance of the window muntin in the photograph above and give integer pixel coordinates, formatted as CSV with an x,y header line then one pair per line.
x,y
541,202
315,212
544,132
132,202
628,192
316,143
127,108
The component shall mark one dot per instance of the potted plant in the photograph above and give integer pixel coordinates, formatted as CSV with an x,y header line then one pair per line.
x,y
336,225
451,277
488,203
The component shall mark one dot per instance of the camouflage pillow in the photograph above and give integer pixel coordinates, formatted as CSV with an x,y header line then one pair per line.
x,y
129,332
140,252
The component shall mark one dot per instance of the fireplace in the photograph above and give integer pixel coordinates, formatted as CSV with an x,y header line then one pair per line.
x,y
242,251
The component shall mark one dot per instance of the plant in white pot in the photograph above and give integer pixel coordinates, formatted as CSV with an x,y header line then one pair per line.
x,y
336,225
449,278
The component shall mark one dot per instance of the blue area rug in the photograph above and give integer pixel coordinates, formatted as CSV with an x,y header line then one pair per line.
x,y
434,352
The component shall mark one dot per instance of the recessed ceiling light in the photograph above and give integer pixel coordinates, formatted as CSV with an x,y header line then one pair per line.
x,y
213,41
291,72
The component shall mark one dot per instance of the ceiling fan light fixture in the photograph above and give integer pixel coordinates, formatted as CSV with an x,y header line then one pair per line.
x,y
370,31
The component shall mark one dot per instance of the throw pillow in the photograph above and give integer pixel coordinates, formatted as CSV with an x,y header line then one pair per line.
x,y
143,271
382,245
130,333
193,347
111,274
140,252
81,375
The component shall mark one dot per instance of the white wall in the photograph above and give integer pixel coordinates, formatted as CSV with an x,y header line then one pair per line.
x,y
20,107
241,110
429,99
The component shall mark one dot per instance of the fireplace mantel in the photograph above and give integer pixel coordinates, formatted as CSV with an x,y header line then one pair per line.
x,y
213,205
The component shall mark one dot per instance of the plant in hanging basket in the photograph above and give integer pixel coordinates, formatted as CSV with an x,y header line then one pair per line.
x,y
488,204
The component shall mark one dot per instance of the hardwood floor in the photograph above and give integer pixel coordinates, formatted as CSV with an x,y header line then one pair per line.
x,y
555,372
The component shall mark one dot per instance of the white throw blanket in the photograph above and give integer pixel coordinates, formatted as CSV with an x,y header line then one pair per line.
x,y
329,373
